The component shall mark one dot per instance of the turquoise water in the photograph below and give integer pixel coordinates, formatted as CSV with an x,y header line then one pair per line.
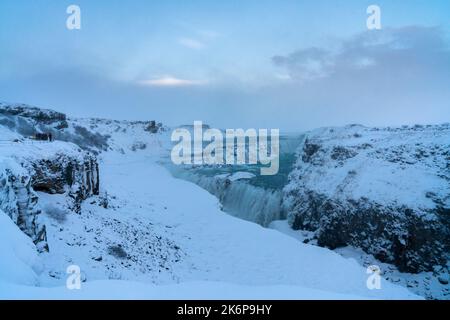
x,y
259,199
275,182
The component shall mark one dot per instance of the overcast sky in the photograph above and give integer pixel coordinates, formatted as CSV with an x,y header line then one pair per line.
x,y
293,65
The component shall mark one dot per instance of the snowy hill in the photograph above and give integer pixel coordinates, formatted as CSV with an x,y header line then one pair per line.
x,y
141,233
386,191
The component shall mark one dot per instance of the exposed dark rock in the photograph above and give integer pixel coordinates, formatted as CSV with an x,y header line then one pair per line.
x,y
20,203
117,251
78,175
444,278
340,153
151,127
138,145
87,139
309,150
389,213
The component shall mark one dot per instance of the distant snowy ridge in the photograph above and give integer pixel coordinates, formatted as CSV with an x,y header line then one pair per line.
x,y
385,190
39,115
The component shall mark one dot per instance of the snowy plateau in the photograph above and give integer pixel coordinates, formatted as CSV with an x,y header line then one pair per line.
x,y
104,196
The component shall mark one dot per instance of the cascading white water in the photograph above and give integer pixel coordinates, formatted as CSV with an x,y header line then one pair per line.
x,y
239,198
259,199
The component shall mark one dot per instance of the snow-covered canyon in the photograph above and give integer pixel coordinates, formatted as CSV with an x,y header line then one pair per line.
x,y
136,230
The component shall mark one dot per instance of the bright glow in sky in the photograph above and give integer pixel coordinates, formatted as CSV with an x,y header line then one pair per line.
x,y
287,64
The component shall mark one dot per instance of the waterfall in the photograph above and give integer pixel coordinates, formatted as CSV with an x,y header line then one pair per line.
x,y
254,198
240,198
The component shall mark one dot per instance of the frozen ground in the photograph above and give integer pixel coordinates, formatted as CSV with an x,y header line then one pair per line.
x,y
172,232
199,290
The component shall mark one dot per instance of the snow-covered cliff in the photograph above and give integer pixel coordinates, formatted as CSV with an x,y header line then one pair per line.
x,y
386,191
19,201
28,165
144,225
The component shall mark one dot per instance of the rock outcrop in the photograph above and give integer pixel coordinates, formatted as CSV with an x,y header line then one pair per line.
x,y
73,174
77,175
386,191
19,201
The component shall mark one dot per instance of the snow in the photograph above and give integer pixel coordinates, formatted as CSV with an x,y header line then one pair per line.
x,y
17,147
200,290
240,175
215,247
284,227
390,165
425,284
19,261
177,241
238,197
355,168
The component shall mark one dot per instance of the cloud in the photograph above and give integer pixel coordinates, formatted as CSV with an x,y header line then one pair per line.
x,y
169,81
389,77
393,77
307,64
384,52
191,43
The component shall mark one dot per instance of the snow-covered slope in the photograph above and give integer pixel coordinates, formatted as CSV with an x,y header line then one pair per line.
x,y
19,261
167,234
28,165
193,240
384,190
